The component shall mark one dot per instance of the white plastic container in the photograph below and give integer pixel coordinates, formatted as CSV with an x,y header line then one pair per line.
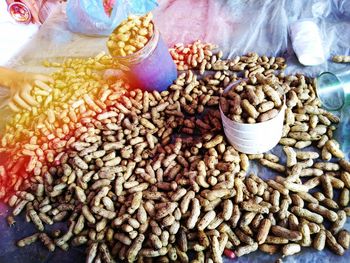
x,y
253,138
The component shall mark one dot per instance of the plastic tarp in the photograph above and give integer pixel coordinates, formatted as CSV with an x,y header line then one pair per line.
x,y
238,27
89,17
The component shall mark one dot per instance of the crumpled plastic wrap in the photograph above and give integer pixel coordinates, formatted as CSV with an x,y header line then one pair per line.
x,y
238,27
89,17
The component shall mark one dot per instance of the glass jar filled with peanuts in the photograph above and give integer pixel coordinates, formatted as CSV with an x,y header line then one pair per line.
x,y
137,44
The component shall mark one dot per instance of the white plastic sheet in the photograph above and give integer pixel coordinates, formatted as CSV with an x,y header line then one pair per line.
x,y
89,17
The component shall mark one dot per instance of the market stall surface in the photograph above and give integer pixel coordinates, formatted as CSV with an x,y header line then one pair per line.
x,y
237,26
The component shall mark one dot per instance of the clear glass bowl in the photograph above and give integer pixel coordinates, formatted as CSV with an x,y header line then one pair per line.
x,y
330,91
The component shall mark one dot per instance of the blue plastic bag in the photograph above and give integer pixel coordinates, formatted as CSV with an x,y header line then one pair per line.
x,y
88,16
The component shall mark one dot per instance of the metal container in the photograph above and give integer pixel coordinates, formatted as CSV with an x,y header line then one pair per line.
x,y
27,11
20,12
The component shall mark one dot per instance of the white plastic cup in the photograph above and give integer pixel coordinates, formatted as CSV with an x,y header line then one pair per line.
x,y
307,42
253,138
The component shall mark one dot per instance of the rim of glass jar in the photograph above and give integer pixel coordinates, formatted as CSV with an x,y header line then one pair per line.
x,y
321,92
25,7
141,54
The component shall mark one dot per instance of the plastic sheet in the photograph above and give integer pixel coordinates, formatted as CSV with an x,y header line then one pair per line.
x,y
89,17
238,26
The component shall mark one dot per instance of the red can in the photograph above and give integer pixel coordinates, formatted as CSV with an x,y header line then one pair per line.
x,y
35,11
20,12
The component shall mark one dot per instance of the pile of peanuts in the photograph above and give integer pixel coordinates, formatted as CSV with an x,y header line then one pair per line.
x,y
36,138
151,177
253,103
341,59
131,35
194,55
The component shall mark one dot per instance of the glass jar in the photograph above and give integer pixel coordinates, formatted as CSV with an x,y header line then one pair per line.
x,y
152,67
333,89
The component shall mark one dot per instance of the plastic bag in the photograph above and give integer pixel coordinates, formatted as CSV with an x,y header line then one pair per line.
x,y
343,7
89,16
